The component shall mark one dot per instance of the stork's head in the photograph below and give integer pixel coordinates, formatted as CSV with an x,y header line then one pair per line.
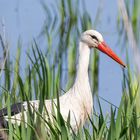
x,y
94,39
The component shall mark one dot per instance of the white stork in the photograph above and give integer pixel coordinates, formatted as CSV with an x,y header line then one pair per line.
x,y
78,99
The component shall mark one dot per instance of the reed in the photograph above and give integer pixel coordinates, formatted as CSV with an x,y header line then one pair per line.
x,y
44,75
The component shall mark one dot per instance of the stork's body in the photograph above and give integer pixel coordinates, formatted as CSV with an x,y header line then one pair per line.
x,y
78,100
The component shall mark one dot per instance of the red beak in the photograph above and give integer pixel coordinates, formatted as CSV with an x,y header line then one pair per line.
x,y
105,49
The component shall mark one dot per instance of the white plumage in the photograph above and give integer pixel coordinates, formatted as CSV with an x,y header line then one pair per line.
x,y
78,100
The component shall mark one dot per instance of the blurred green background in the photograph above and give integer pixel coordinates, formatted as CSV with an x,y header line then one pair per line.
x,y
28,20
39,41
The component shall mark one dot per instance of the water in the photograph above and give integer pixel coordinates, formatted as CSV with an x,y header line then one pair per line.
x,y
24,20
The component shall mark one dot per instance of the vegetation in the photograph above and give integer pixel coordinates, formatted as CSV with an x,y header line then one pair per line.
x,y
44,72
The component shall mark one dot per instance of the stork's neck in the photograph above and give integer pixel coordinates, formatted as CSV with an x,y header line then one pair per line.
x,y
84,54
81,86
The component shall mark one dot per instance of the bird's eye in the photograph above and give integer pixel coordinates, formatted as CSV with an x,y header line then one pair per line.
x,y
94,37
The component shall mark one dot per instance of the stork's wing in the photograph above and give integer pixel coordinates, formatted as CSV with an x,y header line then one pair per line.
x,y
15,109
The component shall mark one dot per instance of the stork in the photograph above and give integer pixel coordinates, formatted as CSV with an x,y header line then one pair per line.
x,y
78,99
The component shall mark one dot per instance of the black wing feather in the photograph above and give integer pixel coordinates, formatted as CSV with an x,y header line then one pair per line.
x,y
15,109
